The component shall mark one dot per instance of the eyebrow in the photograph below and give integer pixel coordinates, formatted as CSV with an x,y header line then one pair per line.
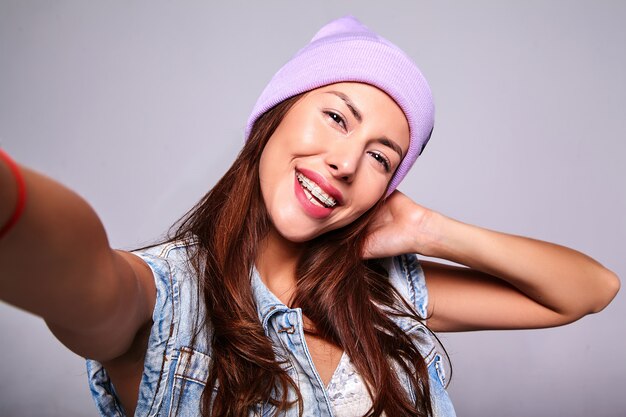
x,y
357,115
349,103
391,144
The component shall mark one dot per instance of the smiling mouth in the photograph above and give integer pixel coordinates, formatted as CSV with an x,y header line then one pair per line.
x,y
314,193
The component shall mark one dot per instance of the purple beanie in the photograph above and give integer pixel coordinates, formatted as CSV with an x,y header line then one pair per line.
x,y
346,50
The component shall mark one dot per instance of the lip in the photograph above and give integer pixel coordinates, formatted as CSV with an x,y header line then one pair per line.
x,y
323,184
311,209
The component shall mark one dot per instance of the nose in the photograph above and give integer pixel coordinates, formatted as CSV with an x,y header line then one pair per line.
x,y
343,160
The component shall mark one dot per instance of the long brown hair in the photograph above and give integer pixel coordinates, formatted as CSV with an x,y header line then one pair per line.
x,y
349,302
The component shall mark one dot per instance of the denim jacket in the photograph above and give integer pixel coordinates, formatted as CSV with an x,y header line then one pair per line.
x,y
175,373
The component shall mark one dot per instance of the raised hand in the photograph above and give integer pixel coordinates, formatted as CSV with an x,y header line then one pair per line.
x,y
398,228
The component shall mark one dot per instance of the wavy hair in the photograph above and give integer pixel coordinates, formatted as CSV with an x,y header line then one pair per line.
x,y
350,302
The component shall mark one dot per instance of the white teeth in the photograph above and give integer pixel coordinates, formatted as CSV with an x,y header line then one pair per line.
x,y
311,198
311,189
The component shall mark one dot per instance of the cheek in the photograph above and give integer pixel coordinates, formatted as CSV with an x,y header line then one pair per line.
x,y
264,170
310,139
268,175
371,187
300,136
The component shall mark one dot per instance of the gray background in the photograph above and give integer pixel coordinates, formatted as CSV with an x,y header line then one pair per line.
x,y
140,107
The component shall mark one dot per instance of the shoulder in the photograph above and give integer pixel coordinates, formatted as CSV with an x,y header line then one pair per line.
x,y
407,277
170,264
174,276
164,257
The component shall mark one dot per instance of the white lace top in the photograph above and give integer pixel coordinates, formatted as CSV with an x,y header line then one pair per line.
x,y
347,392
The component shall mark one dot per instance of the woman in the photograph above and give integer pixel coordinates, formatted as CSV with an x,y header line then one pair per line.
x,y
261,302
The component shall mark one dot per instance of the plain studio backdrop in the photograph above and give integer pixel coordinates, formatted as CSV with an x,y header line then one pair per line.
x,y
140,107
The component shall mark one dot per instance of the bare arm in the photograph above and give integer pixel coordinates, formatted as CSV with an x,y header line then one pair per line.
x,y
510,281
56,263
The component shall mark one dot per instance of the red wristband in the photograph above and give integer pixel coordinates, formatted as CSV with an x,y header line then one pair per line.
x,y
21,193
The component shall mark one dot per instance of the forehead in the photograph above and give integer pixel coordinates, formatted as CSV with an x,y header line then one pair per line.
x,y
357,89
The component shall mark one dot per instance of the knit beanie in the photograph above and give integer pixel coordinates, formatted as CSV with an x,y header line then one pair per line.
x,y
346,50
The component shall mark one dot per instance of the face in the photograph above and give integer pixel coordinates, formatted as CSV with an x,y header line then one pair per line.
x,y
331,158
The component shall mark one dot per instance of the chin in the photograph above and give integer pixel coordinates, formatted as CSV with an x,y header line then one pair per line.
x,y
289,223
297,234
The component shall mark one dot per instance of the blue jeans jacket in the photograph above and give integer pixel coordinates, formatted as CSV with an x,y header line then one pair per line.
x,y
175,373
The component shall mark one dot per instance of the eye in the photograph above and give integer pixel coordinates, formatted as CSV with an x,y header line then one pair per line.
x,y
381,159
336,118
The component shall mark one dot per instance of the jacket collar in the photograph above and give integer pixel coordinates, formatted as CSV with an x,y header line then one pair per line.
x,y
267,303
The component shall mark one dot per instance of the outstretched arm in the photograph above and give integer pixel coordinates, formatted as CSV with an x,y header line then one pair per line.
x,y
510,282
56,263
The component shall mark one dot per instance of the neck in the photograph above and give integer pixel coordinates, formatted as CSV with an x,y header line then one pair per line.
x,y
276,262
